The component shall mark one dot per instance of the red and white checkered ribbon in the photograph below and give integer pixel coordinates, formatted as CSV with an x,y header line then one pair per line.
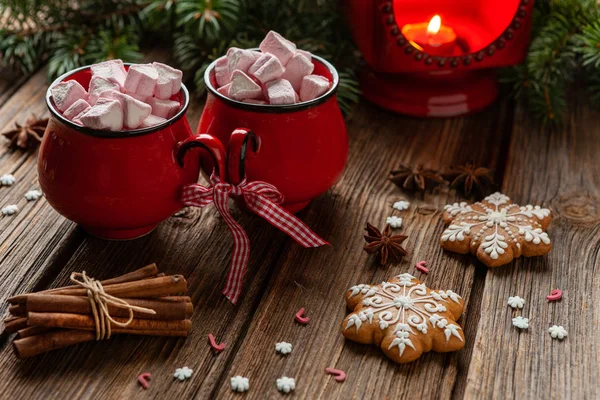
x,y
262,199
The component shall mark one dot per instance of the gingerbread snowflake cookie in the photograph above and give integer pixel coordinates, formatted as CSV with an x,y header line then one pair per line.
x,y
496,230
404,318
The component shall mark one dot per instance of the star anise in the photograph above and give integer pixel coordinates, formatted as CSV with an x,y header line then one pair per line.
x,y
384,243
470,177
413,178
28,135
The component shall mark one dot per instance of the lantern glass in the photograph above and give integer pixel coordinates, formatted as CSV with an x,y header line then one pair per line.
x,y
477,23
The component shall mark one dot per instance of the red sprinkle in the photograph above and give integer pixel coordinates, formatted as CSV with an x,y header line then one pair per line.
x,y
555,295
143,379
299,317
340,375
216,347
421,267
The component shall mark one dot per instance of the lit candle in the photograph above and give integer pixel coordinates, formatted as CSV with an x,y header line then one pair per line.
x,y
432,38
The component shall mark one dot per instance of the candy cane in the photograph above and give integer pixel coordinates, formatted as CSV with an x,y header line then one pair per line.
x,y
143,379
216,347
340,375
555,295
300,318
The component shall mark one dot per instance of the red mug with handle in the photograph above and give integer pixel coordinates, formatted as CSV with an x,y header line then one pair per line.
x,y
302,148
119,185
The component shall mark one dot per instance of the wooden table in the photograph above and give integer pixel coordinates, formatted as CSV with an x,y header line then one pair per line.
x,y
556,168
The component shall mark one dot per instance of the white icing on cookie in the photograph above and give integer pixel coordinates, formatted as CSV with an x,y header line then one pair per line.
x,y
406,306
496,227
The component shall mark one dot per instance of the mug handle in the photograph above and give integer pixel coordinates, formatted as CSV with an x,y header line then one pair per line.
x,y
212,145
237,151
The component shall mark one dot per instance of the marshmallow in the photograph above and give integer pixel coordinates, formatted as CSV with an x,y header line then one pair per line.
x,y
313,86
113,70
243,87
169,81
164,108
305,53
267,68
152,120
134,111
224,90
222,75
296,69
77,108
279,46
98,85
106,116
66,93
240,59
280,91
141,79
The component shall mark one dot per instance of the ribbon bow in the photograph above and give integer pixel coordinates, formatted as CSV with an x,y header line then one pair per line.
x,y
261,198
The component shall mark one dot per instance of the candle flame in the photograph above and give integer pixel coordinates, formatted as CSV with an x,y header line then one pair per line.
x,y
434,25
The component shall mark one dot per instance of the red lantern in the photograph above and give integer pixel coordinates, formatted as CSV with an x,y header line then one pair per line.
x,y
437,57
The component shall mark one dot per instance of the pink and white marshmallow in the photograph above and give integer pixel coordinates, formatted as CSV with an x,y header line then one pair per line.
x,y
134,111
313,86
280,92
224,90
169,81
164,108
152,120
222,75
240,59
243,87
279,46
98,85
77,108
105,116
113,70
267,68
141,79
296,69
66,93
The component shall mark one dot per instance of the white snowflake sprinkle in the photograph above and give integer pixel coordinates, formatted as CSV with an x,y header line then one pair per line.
x,y
521,322
285,384
283,347
7,179
10,210
240,384
516,302
401,205
394,222
33,195
183,373
557,332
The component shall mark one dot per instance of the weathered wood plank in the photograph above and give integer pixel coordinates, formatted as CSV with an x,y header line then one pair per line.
x,y
559,169
317,279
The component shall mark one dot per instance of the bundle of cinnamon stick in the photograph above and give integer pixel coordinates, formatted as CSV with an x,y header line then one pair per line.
x,y
61,317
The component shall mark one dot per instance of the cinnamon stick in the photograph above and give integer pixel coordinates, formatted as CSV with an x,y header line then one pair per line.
x,y
165,309
60,338
11,325
85,322
32,331
142,273
145,288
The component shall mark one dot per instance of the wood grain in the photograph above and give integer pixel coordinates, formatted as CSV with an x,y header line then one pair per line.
x,y
316,280
558,169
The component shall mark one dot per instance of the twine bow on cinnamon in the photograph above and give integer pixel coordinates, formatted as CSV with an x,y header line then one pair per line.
x,y
261,198
99,301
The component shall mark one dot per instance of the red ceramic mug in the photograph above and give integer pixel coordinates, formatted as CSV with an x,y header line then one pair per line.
x,y
119,185
302,148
